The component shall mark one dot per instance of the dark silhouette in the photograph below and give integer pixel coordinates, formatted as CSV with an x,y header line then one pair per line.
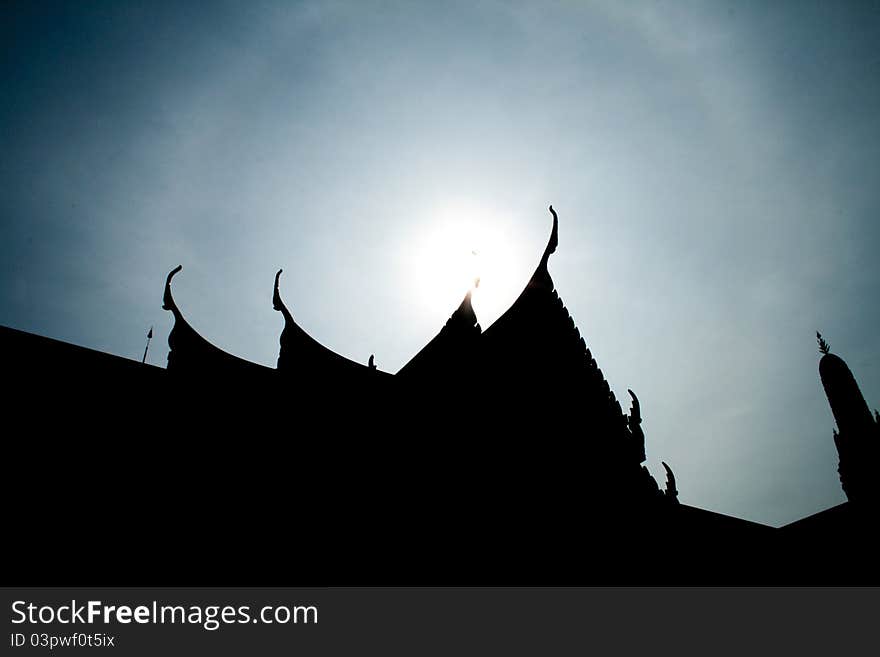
x,y
191,355
497,456
147,347
305,360
858,435
671,491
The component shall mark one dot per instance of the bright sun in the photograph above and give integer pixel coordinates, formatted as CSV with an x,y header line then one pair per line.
x,y
465,242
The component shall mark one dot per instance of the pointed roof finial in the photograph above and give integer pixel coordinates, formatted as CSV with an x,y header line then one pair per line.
x,y
371,362
824,347
671,490
167,298
149,337
464,314
554,238
636,411
541,277
277,303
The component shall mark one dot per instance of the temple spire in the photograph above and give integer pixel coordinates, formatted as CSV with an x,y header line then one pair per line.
x,y
857,437
849,407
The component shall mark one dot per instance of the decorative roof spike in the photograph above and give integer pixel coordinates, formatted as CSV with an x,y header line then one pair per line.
x,y
371,363
671,491
149,337
824,347
634,422
464,314
635,412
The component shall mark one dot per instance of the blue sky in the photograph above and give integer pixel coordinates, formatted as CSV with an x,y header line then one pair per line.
x,y
713,166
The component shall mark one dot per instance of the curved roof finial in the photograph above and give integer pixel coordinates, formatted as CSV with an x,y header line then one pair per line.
x,y
277,303
372,363
554,239
541,277
276,297
634,422
671,490
636,411
167,298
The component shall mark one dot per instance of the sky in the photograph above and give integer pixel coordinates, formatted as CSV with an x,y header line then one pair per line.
x,y
714,167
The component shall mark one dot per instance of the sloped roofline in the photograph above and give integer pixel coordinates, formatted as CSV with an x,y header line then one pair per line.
x,y
540,278
311,347
305,342
183,330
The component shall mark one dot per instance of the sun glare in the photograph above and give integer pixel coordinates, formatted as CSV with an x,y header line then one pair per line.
x,y
464,244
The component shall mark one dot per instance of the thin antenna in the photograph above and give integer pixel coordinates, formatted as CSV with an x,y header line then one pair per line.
x,y
149,337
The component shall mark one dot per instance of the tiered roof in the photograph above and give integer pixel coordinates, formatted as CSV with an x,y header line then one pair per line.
x,y
531,373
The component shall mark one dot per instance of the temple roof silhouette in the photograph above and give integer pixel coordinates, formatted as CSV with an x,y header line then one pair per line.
x,y
532,356
189,352
534,341
492,455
